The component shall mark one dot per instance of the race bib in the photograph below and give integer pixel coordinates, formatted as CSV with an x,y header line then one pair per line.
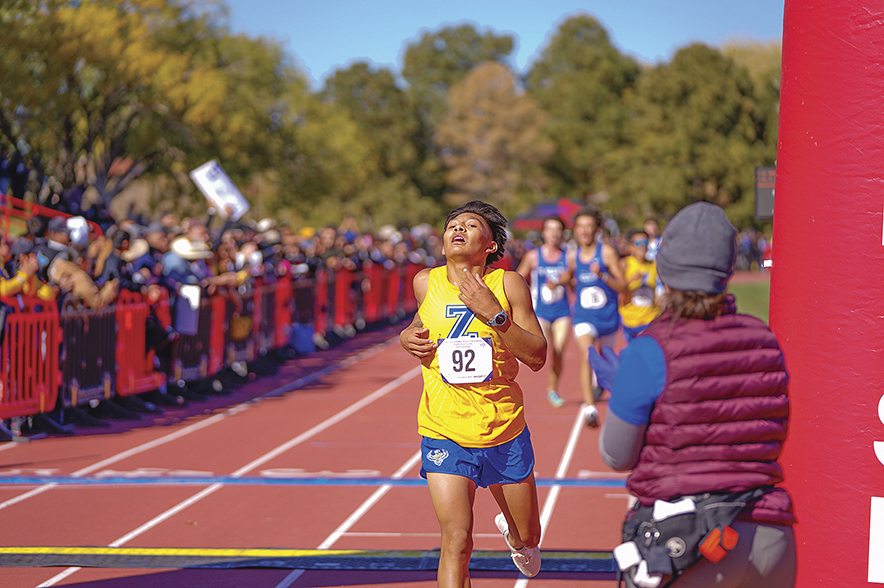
x,y
643,296
465,360
550,295
593,297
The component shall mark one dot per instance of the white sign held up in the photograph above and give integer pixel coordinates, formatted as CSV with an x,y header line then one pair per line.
x,y
219,190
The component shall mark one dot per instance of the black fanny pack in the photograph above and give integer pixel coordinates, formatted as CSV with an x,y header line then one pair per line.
x,y
667,538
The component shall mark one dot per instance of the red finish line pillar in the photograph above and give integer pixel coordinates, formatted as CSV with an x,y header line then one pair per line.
x,y
827,284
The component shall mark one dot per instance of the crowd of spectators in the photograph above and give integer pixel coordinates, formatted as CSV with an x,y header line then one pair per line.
x,y
62,260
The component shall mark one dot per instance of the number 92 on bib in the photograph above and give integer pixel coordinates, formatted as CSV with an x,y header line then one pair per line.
x,y
465,360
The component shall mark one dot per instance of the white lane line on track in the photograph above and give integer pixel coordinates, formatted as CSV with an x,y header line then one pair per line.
x,y
371,501
353,518
554,490
379,393
202,424
125,454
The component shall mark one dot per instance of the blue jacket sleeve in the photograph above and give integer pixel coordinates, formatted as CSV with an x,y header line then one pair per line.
x,y
639,382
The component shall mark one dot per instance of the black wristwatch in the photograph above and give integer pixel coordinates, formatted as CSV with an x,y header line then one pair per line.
x,y
498,320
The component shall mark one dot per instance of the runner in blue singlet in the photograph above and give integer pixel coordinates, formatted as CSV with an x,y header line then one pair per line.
x,y
595,274
542,267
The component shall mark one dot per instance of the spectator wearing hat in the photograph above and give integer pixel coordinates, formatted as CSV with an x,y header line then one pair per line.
x,y
142,267
78,232
58,240
700,405
186,263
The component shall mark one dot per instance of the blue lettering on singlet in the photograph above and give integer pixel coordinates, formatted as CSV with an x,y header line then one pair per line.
x,y
464,317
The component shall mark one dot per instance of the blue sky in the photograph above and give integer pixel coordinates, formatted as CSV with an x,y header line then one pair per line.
x,y
330,34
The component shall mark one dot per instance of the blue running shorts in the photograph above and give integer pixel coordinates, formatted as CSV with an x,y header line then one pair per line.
x,y
509,463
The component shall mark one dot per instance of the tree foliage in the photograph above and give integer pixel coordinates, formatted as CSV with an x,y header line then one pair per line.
x,y
165,86
490,140
91,83
581,80
441,59
696,135
390,128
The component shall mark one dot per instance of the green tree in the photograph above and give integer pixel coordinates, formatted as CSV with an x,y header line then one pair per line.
x,y
763,61
431,67
581,80
696,135
491,142
441,59
86,80
382,110
390,129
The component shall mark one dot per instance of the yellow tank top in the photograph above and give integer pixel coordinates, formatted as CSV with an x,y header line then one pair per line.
x,y
641,279
479,414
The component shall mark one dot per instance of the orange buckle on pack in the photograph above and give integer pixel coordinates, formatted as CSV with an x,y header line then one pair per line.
x,y
718,542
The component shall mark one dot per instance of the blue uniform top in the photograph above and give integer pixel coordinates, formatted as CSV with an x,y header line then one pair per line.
x,y
549,305
594,301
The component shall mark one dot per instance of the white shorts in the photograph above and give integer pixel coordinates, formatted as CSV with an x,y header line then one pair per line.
x,y
590,329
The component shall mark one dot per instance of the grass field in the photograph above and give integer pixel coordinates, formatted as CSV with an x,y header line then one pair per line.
x,y
752,298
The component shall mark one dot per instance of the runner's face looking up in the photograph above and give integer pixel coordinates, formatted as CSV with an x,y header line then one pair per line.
x,y
468,234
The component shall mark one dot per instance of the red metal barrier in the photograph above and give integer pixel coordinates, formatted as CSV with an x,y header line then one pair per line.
x,y
241,339
374,295
88,355
282,312
29,374
320,302
14,211
393,283
217,334
45,352
409,302
135,365
344,308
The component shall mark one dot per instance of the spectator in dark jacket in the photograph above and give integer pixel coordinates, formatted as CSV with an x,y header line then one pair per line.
x,y
699,404
114,266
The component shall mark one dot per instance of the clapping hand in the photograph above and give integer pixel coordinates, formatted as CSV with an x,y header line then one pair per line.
x,y
605,365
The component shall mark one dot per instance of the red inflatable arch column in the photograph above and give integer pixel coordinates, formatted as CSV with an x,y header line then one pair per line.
x,y
827,284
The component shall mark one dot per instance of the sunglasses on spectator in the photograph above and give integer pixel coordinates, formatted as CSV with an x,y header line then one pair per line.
x,y
641,243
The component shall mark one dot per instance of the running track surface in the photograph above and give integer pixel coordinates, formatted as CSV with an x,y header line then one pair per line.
x,y
263,468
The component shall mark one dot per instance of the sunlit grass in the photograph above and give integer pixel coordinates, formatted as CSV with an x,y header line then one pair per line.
x,y
753,298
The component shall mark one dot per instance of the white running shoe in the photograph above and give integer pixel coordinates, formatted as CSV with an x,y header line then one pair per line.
x,y
527,559
591,415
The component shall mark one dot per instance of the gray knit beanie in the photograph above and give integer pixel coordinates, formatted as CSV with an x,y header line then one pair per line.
x,y
698,249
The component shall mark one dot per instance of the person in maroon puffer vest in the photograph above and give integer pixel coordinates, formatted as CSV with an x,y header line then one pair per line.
x,y
699,404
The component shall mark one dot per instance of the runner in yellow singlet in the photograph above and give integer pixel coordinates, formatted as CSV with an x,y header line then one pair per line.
x,y
638,302
473,328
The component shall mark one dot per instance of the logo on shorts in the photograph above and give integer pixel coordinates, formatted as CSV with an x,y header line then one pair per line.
x,y
437,456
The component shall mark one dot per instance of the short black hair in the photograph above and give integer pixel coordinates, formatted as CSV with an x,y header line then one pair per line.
x,y
633,232
495,219
554,217
592,211
119,237
37,226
